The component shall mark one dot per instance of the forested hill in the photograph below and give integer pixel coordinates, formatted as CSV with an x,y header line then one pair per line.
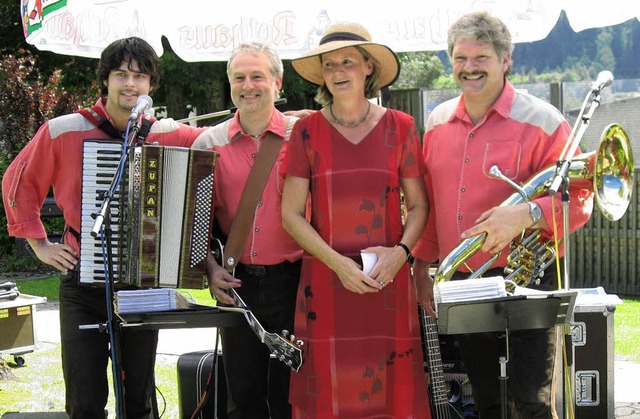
x,y
614,48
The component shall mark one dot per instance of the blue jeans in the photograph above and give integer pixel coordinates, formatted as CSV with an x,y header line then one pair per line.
x,y
86,352
258,387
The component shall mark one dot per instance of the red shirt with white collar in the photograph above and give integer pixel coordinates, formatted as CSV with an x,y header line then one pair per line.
x,y
520,134
268,242
53,158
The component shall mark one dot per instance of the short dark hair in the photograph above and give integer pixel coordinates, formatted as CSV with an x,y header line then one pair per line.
x,y
126,50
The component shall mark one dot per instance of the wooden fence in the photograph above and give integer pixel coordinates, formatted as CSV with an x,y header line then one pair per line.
x,y
605,253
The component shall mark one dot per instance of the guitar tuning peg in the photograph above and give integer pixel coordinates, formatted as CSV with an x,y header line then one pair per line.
x,y
299,342
289,363
281,358
292,338
285,333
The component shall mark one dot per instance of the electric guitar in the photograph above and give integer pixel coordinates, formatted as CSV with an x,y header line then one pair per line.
x,y
441,408
282,346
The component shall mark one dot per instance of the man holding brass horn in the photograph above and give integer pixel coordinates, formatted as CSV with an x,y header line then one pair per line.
x,y
492,124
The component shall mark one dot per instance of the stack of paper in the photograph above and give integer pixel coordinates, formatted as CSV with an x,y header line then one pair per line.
x,y
470,290
148,300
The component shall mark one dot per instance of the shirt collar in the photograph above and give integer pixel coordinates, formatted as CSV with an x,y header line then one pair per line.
x,y
501,106
277,125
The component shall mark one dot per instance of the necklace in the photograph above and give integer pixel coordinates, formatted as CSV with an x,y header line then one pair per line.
x,y
350,124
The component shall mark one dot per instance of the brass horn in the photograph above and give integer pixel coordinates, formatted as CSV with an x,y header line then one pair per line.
x,y
612,169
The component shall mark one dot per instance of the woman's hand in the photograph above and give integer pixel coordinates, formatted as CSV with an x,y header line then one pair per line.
x,y
353,279
390,260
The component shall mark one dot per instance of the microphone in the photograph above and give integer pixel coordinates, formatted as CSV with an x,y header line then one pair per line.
x,y
144,103
604,79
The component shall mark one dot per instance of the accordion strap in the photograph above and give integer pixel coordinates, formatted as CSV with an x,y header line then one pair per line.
x,y
251,194
93,114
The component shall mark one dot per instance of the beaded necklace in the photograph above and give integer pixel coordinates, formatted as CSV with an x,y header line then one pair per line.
x,y
350,124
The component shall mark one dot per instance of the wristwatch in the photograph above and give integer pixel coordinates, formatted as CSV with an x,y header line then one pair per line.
x,y
535,212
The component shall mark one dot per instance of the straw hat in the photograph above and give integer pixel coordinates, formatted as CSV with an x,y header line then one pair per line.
x,y
343,35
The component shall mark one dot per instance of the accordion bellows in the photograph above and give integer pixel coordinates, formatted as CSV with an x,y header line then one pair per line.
x,y
158,227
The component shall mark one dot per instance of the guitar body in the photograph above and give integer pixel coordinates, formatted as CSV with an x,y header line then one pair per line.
x,y
441,397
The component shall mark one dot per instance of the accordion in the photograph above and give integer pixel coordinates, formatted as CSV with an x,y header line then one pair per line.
x,y
156,232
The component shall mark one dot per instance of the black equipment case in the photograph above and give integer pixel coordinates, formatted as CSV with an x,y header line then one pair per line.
x,y
193,373
593,345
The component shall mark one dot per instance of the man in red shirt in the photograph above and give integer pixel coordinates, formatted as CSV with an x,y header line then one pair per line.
x,y
490,124
128,68
268,272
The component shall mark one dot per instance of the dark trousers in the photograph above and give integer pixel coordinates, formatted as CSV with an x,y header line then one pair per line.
x,y
256,386
86,352
530,366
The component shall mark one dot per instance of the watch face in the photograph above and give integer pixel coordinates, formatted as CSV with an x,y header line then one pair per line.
x,y
535,212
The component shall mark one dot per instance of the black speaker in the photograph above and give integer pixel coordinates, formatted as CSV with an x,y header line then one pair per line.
x,y
194,369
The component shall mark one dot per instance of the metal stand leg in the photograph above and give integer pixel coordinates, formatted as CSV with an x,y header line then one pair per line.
x,y
503,387
503,379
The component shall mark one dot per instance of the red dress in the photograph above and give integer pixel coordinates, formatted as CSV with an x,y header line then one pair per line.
x,y
362,353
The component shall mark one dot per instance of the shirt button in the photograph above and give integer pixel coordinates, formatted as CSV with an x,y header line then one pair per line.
x,y
466,160
260,203
462,190
257,229
254,254
459,217
471,135
253,155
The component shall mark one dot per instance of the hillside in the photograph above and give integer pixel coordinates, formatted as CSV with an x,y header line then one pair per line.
x,y
614,48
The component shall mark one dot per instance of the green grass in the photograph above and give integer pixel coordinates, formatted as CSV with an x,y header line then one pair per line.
x,y
49,288
626,323
38,386
46,287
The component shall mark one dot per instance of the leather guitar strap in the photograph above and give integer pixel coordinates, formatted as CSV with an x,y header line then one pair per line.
x,y
251,194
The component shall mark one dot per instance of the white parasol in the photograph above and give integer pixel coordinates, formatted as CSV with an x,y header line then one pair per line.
x,y
205,30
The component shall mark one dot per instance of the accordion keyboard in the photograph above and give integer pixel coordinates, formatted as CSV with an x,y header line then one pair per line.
x,y
100,164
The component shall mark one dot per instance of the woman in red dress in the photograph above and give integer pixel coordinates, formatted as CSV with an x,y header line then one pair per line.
x,y
359,163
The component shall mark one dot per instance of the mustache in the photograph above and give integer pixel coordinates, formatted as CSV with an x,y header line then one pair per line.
x,y
473,73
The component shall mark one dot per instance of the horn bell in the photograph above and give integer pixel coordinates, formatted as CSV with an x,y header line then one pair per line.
x,y
614,177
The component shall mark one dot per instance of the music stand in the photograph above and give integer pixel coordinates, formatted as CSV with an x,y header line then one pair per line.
x,y
183,318
521,312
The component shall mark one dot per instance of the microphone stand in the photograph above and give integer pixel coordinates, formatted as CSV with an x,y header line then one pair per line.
x,y
561,178
227,112
561,182
103,223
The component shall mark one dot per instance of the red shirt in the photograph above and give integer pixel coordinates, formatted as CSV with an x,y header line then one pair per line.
x,y
520,134
268,242
53,158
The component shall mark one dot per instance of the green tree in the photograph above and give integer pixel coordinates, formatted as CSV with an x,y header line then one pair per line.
x,y
605,58
418,70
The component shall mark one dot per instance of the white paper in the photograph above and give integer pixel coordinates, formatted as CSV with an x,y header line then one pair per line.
x,y
368,261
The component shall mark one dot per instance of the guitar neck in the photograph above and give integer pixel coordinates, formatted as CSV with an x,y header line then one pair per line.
x,y
437,385
284,350
251,318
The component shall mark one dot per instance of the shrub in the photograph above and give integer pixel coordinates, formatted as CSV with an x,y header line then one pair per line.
x,y
27,100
